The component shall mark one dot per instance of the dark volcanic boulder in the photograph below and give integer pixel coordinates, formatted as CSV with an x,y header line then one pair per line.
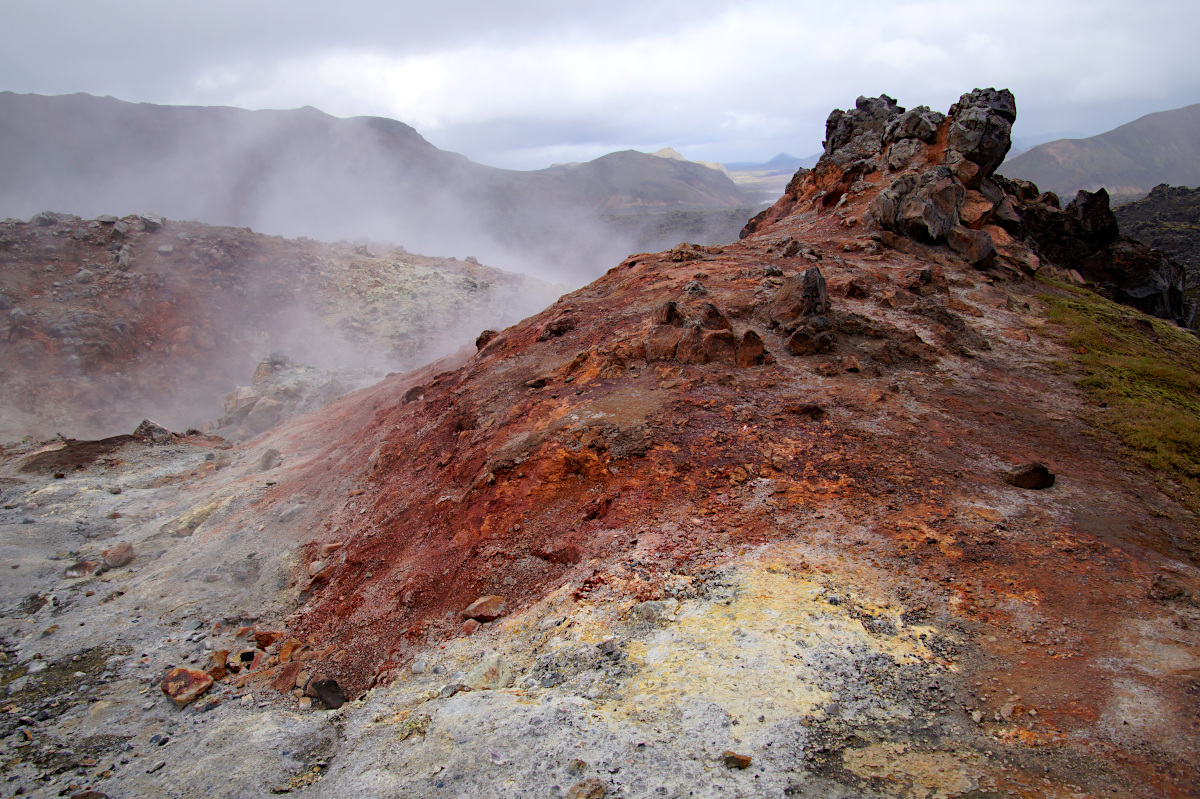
x,y
981,127
858,134
924,206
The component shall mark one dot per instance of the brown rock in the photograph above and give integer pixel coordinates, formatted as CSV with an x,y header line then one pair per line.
x,y
734,760
264,638
662,342
120,555
290,650
800,296
185,685
327,690
975,210
751,351
89,794
485,338
669,314
807,341
486,608
469,626
83,568
1033,476
707,346
711,318
286,679
587,789
975,246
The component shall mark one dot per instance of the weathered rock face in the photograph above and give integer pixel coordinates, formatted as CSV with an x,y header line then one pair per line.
x,y
933,178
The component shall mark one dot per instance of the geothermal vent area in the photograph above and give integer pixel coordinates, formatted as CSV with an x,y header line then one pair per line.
x,y
861,505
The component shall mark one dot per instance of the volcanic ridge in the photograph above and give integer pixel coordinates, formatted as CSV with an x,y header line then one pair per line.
x,y
835,510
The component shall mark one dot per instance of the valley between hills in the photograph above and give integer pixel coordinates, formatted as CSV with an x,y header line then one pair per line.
x,y
897,494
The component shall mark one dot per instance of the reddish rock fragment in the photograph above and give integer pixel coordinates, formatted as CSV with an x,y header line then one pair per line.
x,y
469,626
264,638
587,789
185,685
486,608
285,681
751,350
734,760
83,568
120,555
291,649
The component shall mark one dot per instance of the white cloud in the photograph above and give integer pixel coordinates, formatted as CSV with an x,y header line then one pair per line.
x,y
517,82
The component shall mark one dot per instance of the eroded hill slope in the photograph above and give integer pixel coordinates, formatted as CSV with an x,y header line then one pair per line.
x,y
827,512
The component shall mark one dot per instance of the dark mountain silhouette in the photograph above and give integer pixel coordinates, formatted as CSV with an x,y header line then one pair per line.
x,y
303,172
1127,161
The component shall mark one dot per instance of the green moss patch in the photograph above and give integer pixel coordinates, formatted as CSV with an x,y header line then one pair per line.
x,y
1143,375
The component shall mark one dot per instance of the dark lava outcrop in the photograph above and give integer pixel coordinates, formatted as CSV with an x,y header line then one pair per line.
x,y
941,188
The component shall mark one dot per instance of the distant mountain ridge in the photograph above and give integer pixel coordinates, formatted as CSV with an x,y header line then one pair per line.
x,y
304,173
1127,161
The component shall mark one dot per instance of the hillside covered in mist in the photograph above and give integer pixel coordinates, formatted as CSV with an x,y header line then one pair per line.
x,y
305,173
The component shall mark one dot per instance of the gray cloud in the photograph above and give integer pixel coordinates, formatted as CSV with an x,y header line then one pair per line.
x,y
526,83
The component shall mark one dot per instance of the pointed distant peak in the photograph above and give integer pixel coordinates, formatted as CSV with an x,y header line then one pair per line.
x,y
670,152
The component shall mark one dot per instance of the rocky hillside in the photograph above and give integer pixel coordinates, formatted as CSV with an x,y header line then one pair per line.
x,y
1168,219
873,502
1127,161
109,320
302,172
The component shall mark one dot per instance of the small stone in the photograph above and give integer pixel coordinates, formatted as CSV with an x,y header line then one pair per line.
x,y
734,760
89,794
418,667
450,689
290,650
285,681
264,638
576,766
587,789
1034,476
83,568
120,555
470,626
185,685
490,674
157,766
305,703
327,690
486,608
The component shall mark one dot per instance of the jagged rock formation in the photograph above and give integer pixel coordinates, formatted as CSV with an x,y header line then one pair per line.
x,y
942,189
1168,219
828,512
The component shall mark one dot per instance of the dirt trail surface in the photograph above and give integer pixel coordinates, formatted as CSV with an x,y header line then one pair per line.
x,y
823,513
104,322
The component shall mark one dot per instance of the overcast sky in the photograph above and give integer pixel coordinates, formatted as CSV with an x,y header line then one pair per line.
x,y
524,83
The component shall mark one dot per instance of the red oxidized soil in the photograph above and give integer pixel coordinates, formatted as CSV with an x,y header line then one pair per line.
x,y
559,455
